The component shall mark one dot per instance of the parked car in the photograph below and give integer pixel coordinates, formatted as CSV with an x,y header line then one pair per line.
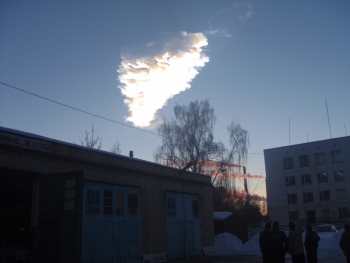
x,y
14,249
316,224
325,229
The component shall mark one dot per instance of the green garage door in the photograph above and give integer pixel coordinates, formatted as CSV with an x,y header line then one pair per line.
x,y
111,223
183,225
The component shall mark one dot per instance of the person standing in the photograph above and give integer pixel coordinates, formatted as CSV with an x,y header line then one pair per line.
x,y
263,242
278,244
311,244
344,242
296,248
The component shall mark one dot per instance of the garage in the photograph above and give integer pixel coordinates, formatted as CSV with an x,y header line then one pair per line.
x,y
77,204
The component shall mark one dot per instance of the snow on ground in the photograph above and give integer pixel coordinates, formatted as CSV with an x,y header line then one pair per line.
x,y
228,244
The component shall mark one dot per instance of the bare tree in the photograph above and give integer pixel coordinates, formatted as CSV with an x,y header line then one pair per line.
x,y
239,141
116,148
254,184
90,141
188,142
236,155
189,137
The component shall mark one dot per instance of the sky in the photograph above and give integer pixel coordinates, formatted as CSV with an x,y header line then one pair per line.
x,y
270,65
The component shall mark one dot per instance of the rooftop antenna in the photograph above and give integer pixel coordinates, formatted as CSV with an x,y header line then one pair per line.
x,y
307,137
289,131
329,124
345,130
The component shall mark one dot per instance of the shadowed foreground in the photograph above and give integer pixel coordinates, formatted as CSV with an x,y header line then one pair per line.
x,y
242,259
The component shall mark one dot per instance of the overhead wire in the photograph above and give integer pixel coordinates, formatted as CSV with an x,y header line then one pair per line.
x,y
74,108
84,111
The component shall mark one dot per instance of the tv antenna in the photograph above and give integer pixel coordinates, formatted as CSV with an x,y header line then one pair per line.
x,y
289,131
329,124
345,130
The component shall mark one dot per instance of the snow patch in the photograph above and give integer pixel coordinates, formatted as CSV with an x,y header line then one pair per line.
x,y
228,244
221,215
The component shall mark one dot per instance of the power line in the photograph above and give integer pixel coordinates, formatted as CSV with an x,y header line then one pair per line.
x,y
255,153
83,111
74,108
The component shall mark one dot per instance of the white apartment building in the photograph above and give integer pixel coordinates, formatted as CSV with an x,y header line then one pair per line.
x,y
309,182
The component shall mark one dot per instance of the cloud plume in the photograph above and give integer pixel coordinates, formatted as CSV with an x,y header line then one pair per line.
x,y
151,74
242,11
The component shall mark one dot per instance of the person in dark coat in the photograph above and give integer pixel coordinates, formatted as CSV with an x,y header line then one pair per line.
x,y
344,242
311,244
278,244
263,242
296,248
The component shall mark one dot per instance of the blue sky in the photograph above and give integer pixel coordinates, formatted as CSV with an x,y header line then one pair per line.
x,y
269,61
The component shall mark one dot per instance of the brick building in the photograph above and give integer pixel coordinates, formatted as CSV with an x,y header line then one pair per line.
x,y
309,182
84,205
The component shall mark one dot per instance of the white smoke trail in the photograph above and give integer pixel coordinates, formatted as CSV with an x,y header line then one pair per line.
x,y
152,74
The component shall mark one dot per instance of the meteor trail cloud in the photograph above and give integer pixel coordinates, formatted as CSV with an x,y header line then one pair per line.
x,y
151,74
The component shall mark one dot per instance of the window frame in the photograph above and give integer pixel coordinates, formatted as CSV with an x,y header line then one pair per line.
x,y
337,156
292,198
324,194
290,182
288,163
308,197
317,159
337,177
321,179
304,161
304,177
107,202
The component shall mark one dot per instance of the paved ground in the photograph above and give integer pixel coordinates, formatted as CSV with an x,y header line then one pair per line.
x,y
242,259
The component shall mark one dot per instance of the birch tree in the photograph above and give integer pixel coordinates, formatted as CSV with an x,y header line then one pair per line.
x,y
188,141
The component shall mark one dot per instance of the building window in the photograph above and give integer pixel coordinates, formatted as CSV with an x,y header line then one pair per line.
x,y
342,194
325,195
306,179
119,203
336,156
308,197
322,177
339,175
288,163
293,215
344,212
320,158
107,202
290,180
292,199
304,161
